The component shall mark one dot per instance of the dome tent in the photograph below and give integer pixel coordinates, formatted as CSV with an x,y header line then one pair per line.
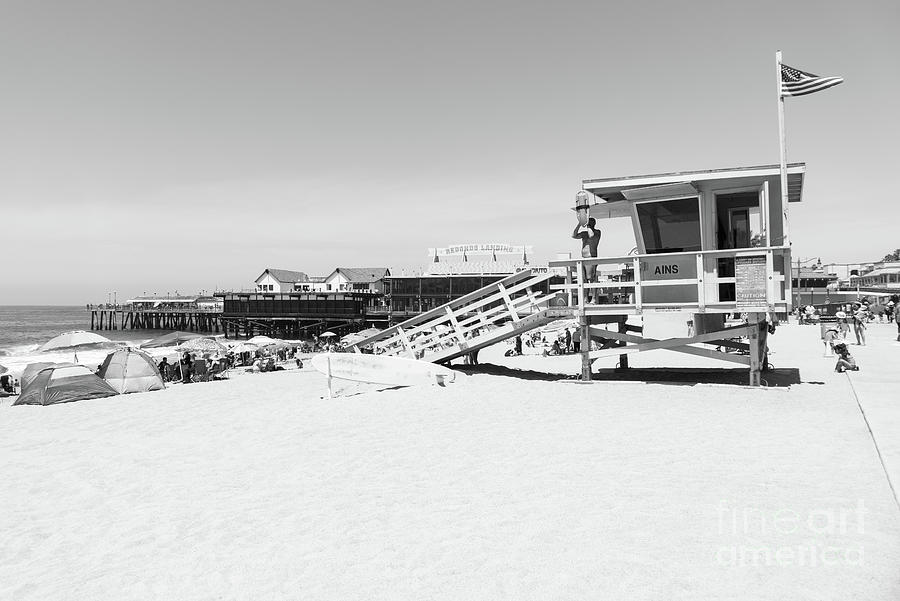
x,y
129,370
33,369
63,383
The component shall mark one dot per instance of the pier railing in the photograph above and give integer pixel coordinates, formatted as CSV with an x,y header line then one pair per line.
x,y
143,309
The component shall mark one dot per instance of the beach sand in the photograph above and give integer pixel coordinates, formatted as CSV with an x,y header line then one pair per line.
x,y
509,486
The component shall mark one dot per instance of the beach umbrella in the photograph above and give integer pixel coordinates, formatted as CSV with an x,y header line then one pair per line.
x,y
264,341
355,337
244,347
327,334
171,339
202,345
73,339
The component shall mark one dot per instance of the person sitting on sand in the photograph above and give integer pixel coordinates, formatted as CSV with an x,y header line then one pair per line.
x,y
845,361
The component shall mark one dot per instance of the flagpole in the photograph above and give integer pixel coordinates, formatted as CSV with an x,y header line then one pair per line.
x,y
785,221
786,230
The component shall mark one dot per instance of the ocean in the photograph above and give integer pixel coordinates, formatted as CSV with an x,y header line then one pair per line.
x,y
24,328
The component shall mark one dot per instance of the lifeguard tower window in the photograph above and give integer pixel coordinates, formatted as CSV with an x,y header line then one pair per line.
x,y
738,225
670,225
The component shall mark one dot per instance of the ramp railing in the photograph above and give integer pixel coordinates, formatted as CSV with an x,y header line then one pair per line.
x,y
487,315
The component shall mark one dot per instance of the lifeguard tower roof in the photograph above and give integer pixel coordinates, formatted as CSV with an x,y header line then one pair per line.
x,y
615,193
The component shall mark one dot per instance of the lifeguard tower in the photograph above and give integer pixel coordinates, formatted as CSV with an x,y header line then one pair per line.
x,y
709,243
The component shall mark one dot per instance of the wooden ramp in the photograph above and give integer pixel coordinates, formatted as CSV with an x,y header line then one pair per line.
x,y
479,319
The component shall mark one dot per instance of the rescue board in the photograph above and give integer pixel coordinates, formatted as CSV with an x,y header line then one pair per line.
x,y
381,369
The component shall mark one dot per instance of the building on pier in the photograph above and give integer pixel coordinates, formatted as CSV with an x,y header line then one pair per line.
x,y
296,315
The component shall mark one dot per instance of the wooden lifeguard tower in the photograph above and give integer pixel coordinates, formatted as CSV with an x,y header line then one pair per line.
x,y
709,243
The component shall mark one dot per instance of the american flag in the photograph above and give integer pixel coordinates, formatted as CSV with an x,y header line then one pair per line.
x,y
795,82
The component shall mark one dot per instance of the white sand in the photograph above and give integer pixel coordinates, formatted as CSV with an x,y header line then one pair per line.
x,y
492,488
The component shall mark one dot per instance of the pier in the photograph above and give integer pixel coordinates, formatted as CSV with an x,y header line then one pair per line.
x,y
129,316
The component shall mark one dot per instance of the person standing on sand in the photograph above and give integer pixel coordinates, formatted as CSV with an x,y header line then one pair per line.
x,y
897,320
162,367
568,340
587,232
860,314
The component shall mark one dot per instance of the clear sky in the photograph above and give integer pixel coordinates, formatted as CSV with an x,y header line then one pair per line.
x,y
161,146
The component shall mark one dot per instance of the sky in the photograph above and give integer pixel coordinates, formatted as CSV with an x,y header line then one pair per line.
x,y
162,146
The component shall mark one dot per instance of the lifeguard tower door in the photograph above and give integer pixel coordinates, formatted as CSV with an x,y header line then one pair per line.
x,y
741,222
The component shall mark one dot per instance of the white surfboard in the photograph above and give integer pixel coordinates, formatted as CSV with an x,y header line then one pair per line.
x,y
381,369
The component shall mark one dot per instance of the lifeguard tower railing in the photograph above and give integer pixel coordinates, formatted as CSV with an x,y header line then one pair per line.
x,y
632,292
491,314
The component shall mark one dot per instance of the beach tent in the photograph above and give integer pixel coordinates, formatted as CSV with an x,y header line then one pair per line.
x,y
73,339
129,370
61,384
171,339
33,369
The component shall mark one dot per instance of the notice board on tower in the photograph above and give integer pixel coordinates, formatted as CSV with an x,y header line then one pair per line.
x,y
751,283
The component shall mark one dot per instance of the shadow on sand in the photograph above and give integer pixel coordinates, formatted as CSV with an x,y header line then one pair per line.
x,y
776,378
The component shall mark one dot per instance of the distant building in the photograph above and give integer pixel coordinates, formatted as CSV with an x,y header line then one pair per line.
x,y
316,283
884,276
280,280
455,271
478,259
845,270
196,303
357,279
812,285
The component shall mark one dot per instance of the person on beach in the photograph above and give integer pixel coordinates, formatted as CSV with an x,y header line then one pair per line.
x,y
186,368
828,338
897,321
568,341
576,341
587,232
163,368
860,315
845,361
843,324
